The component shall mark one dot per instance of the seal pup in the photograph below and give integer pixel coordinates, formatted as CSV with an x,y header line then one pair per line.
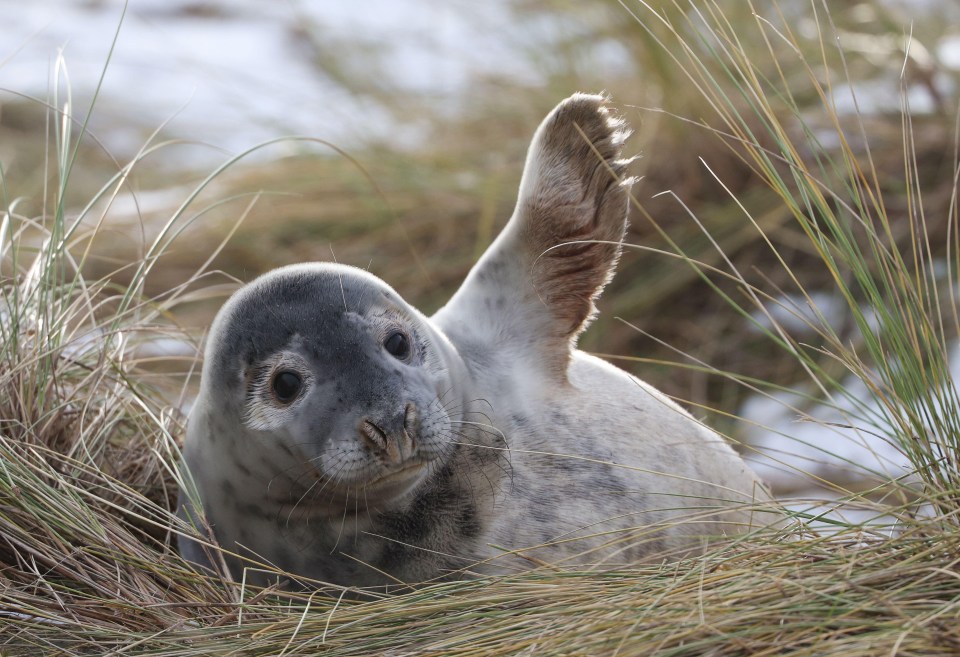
x,y
342,436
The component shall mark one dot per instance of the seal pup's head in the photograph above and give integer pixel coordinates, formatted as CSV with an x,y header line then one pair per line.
x,y
334,386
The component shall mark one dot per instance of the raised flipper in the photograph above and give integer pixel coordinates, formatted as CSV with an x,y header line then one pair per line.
x,y
537,283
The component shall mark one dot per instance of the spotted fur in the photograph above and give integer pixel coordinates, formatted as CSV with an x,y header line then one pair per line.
x,y
492,444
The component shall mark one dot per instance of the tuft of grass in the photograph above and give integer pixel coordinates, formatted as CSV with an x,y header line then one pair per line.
x,y
87,449
893,272
88,439
830,596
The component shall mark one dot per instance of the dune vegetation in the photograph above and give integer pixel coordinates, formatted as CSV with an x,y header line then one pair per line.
x,y
761,177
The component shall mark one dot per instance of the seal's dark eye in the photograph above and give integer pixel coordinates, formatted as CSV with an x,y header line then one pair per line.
x,y
397,345
286,386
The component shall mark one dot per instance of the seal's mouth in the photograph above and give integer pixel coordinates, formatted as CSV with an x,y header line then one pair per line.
x,y
333,497
396,481
402,473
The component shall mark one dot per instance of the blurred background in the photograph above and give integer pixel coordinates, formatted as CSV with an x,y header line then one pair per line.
x,y
415,117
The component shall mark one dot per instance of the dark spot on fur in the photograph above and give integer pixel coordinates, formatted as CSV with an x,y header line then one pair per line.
x,y
648,546
559,419
492,270
606,482
393,556
565,465
248,510
414,524
467,522
282,553
520,421
494,305
228,489
574,465
544,513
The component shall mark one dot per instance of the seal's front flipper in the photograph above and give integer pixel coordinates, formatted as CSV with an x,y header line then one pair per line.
x,y
537,283
572,209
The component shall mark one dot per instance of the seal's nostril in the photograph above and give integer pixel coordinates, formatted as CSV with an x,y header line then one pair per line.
x,y
410,417
397,445
373,434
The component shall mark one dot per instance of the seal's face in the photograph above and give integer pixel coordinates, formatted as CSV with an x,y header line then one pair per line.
x,y
341,378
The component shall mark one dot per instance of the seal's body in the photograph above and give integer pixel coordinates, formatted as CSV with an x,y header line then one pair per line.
x,y
343,437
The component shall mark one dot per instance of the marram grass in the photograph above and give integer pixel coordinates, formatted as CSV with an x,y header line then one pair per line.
x,y
895,280
833,597
88,435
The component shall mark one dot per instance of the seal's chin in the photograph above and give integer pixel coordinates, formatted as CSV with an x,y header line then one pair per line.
x,y
396,483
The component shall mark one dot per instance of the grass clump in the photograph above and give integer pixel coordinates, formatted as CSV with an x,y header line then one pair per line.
x,y
894,273
88,432
86,435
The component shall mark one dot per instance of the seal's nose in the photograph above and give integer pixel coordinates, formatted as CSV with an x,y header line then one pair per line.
x,y
393,440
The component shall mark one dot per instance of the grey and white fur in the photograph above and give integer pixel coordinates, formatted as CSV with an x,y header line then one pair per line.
x,y
341,436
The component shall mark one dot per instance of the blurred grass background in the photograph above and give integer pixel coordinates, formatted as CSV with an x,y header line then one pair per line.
x,y
419,215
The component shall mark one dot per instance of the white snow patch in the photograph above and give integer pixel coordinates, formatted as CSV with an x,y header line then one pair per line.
x,y
232,74
801,315
948,52
828,441
841,441
165,347
146,202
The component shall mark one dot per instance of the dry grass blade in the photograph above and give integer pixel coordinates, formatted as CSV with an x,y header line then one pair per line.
x,y
824,597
